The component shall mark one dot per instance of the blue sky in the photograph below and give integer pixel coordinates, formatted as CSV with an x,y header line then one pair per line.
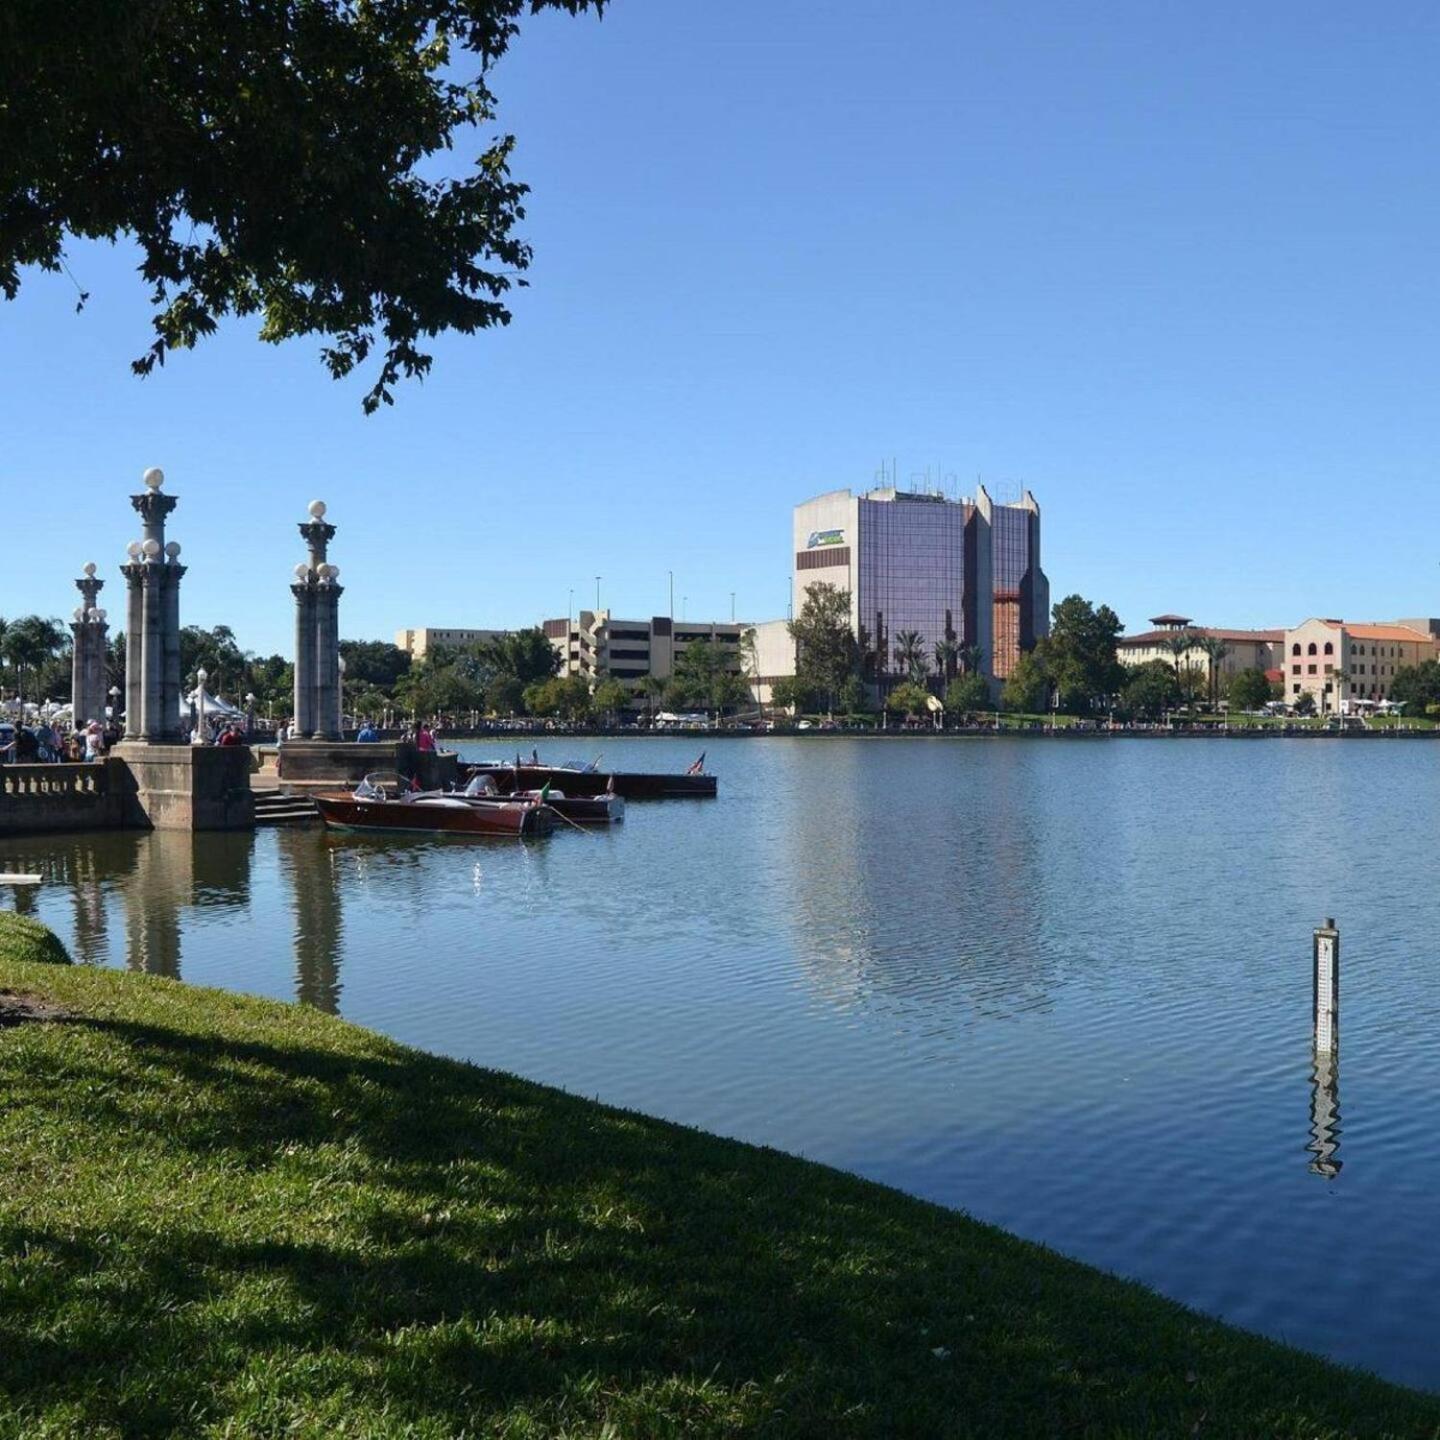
x,y
1171,266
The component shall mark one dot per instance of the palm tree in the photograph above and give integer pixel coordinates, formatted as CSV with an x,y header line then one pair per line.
x,y
1215,651
947,657
910,654
750,665
26,645
654,688
1341,679
1179,643
972,657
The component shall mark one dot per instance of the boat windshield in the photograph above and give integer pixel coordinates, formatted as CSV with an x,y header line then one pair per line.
x,y
380,785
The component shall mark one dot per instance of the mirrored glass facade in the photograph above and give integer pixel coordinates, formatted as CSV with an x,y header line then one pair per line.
x,y
912,573
1015,545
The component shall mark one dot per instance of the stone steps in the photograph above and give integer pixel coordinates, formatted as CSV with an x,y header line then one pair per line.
x,y
279,807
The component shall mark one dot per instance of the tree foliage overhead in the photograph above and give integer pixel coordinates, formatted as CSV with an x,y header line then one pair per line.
x,y
271,158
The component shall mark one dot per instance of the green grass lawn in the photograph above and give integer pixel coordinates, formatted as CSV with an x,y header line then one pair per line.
x,y
223,1216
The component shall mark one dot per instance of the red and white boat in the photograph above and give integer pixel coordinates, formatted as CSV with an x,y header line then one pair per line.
x,y
382,803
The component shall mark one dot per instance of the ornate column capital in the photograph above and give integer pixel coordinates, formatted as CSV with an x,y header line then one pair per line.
x,y
154,505
317,535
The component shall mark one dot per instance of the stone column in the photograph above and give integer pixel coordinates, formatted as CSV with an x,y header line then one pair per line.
x,y
152,649
133,610
317,643
89,633
152,653
79,669
327,658
172,571
303,720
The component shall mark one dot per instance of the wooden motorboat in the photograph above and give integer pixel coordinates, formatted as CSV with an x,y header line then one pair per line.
x,y
377,805
576,779
607,808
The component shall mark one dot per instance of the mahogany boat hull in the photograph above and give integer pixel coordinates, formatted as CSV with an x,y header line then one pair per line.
x,y
429,816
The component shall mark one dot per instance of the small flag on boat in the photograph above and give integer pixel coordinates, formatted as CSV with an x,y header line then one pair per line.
x,y
545,791
698,768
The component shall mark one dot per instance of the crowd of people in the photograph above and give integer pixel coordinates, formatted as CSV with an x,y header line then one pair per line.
x,y
50,742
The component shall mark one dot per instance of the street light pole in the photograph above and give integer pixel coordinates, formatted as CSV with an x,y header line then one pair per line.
x,y
672,594
597,594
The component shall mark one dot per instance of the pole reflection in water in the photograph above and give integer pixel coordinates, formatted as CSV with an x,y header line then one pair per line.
x,y
92,930
175,870
315,884
1324,1143
1325,1080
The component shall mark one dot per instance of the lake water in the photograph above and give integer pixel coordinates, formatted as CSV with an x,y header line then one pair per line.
x,y
1065,986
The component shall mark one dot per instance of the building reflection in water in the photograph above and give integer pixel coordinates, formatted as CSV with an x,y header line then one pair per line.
x,y
315,884
1324,1143
973,954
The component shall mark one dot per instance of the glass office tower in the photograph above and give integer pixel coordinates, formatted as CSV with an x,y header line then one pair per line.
x,y
1021,594
923,563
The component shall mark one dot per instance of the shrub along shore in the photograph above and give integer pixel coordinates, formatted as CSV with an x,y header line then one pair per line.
x,y
228,1216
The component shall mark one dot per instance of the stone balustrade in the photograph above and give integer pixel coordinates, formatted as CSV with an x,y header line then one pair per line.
x,y
36,798
87,779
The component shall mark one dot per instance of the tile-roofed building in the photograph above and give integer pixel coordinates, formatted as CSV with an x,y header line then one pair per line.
x,y
1246,649
1339,662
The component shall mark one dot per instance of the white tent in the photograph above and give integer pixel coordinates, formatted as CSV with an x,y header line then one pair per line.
x,y
215,707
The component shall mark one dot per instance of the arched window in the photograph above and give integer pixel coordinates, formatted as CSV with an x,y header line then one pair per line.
x,y
1311,650
1295,648
1329,648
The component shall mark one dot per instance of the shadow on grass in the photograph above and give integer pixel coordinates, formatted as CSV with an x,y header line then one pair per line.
x,y
412,1245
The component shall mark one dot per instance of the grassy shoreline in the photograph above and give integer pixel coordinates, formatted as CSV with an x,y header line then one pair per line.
x,y
228,1216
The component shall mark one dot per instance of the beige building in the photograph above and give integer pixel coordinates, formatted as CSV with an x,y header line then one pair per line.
x,y
1338,662
1245,649
773,658
597,644
417,643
